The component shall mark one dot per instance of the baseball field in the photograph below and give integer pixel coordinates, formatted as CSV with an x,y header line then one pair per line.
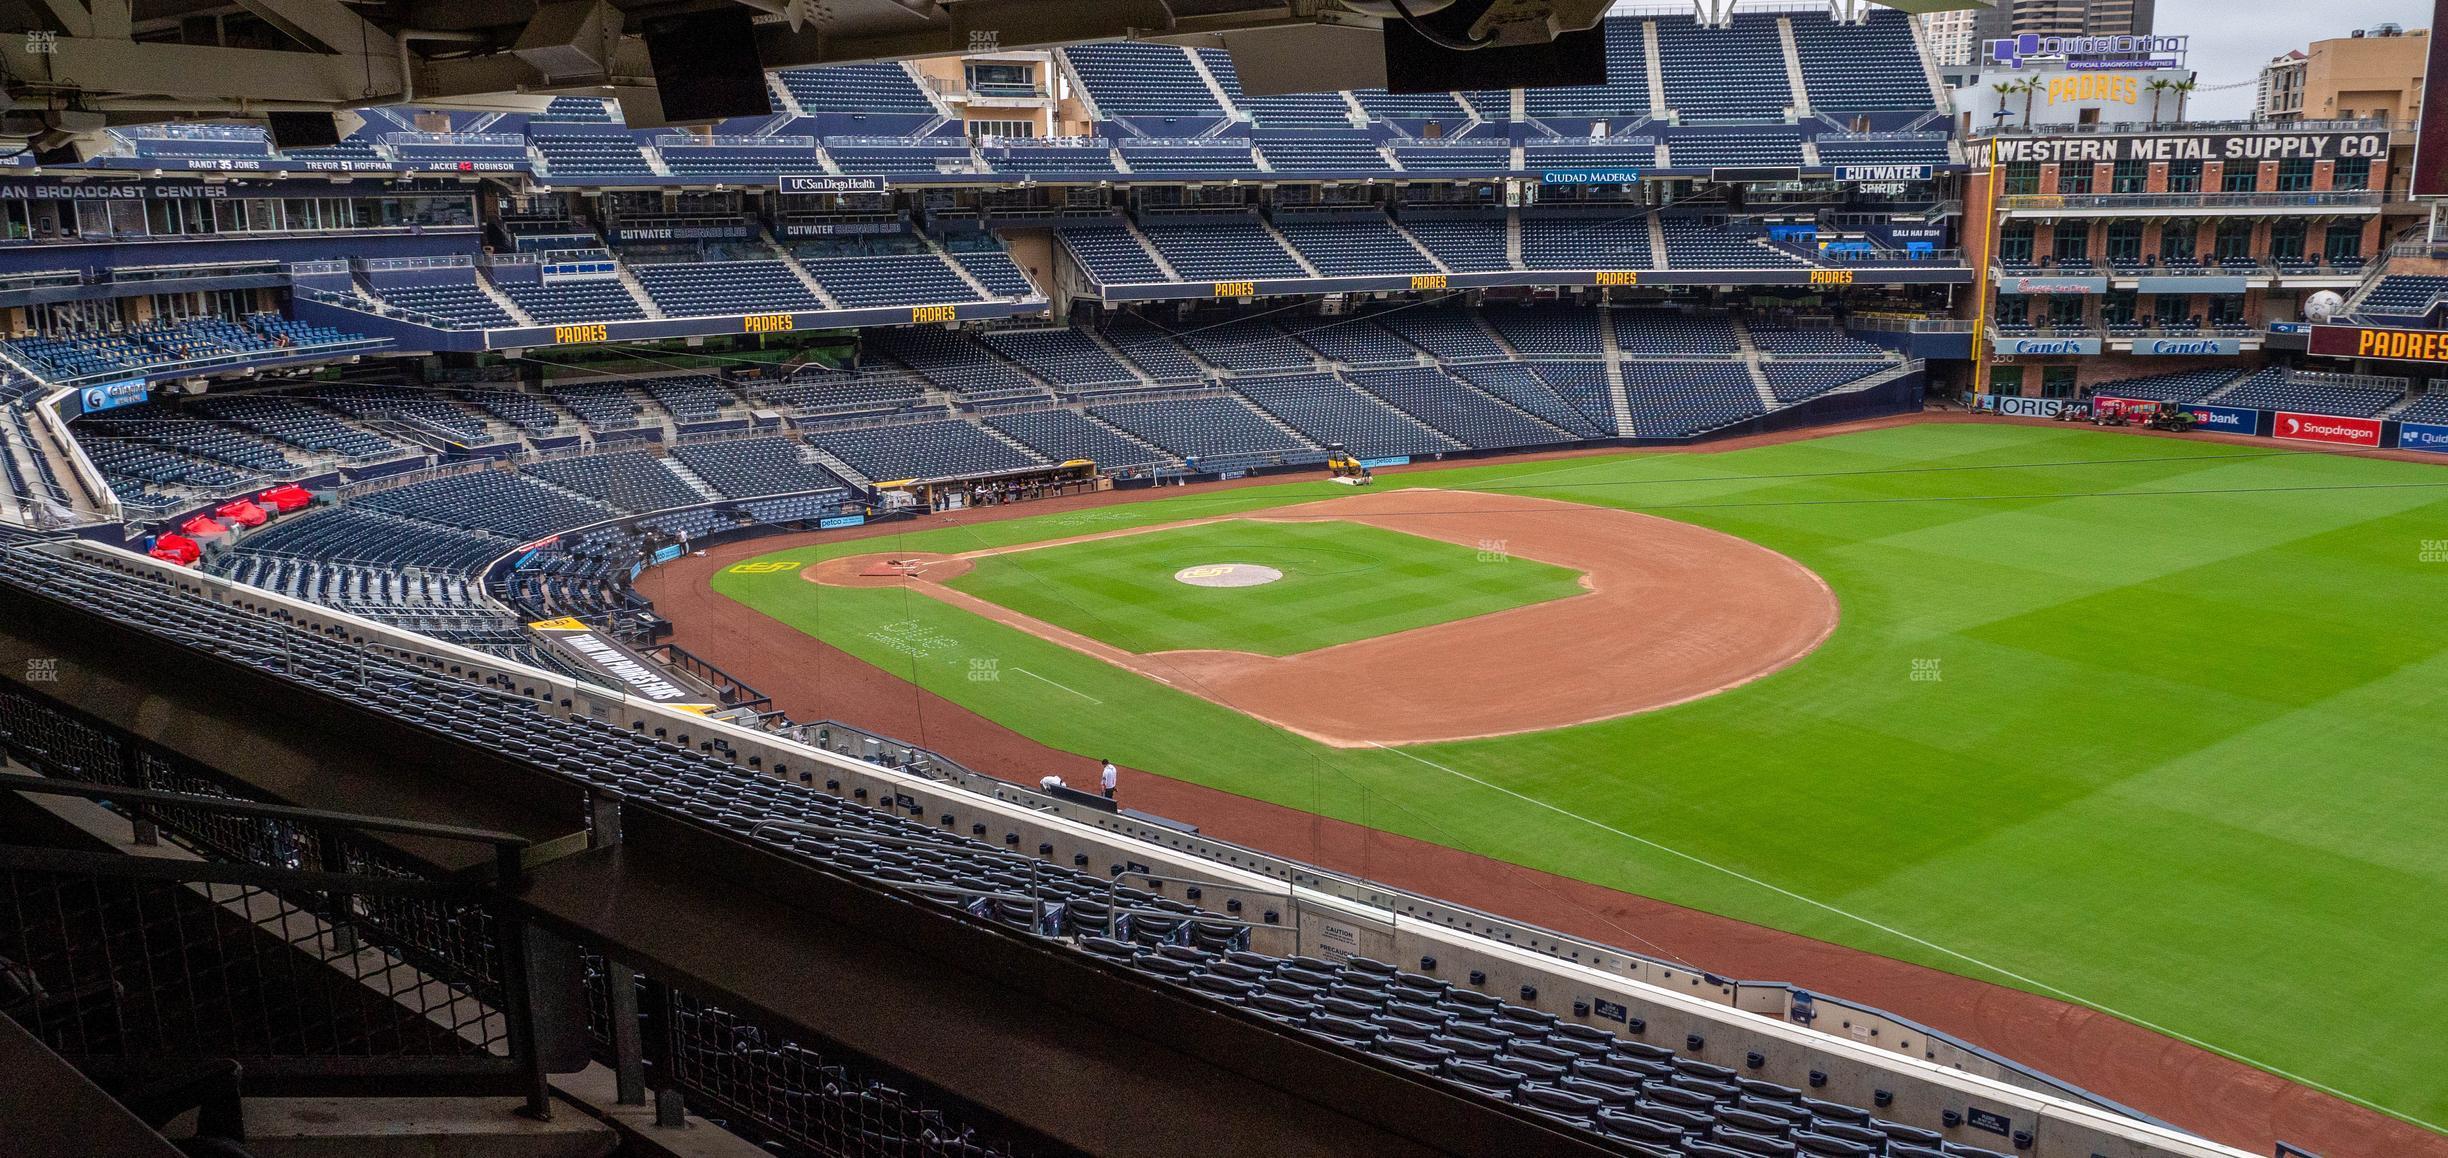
x,y
2150,725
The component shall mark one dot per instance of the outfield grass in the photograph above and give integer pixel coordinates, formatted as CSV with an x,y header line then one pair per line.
x,y
2182,757
1341,582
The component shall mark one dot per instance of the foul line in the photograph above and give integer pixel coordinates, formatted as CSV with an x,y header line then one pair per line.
x,y
1065,687
1924,943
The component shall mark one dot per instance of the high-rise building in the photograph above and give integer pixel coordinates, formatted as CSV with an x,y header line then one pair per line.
x,y
2062,18
2280,95
2374,73
1950,36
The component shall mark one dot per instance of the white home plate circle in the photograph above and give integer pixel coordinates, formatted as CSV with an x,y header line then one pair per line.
x,y
1227,575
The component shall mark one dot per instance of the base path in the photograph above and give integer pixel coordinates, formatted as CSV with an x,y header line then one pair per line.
x,y
2198,1090
1672,612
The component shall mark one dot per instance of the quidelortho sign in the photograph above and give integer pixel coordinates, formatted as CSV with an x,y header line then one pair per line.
x,y
2252,147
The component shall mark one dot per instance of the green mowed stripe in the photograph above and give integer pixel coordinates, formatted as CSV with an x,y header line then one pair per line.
x,y
2174,749
1341,582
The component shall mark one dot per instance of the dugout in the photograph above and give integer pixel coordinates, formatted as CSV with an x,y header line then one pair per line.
x,y
1076,476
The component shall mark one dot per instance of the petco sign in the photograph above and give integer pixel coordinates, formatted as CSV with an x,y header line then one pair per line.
x,y
2327,428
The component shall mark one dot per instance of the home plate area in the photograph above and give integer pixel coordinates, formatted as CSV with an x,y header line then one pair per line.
x,y
1227,575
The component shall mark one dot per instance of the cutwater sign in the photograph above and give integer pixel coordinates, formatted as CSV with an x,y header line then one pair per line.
x,y
1590,177
1882,174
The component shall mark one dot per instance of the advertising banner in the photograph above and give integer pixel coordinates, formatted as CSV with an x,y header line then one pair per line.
x,y
2423,436
2375,342
2030,346
2226,419
113,395
837,522
2017,406
1882,174
2040,283
2181,146
828,183
2190,285
2175,347
2327,428
1590,177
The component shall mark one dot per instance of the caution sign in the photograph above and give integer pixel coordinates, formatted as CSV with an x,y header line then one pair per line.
x,y
565,623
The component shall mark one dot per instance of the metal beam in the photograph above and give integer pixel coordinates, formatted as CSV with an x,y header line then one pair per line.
x,y
72,16
241,77
324,24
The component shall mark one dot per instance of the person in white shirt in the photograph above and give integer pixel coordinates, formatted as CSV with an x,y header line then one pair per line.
x,y
1050,783
1109,779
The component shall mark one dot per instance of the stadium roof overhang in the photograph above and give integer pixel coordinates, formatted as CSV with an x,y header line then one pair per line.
x,y
76,66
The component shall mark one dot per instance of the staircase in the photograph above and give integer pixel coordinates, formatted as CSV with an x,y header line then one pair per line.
x,y
1657,242
1127,436
1288,247
1025,449
1618,403
780,94
960,271
1793,66
812,453
1509,404
1296,436
1480,320
636,288
1759,382
1097,337
1513,239
797,270
501,299
1657,78
689,478
1406,416
1215,88
1425,254
1154,254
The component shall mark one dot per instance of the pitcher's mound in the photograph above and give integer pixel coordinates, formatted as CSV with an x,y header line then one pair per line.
x,y
885,570
1227,575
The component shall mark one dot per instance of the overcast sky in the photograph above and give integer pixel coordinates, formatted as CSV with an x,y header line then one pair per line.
x,y
2232,39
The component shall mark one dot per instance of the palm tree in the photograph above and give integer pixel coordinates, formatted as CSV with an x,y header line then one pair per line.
x,y
2030,88
2158,87
2183,89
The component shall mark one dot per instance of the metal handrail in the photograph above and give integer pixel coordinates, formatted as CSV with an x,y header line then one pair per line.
x,y
12,781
